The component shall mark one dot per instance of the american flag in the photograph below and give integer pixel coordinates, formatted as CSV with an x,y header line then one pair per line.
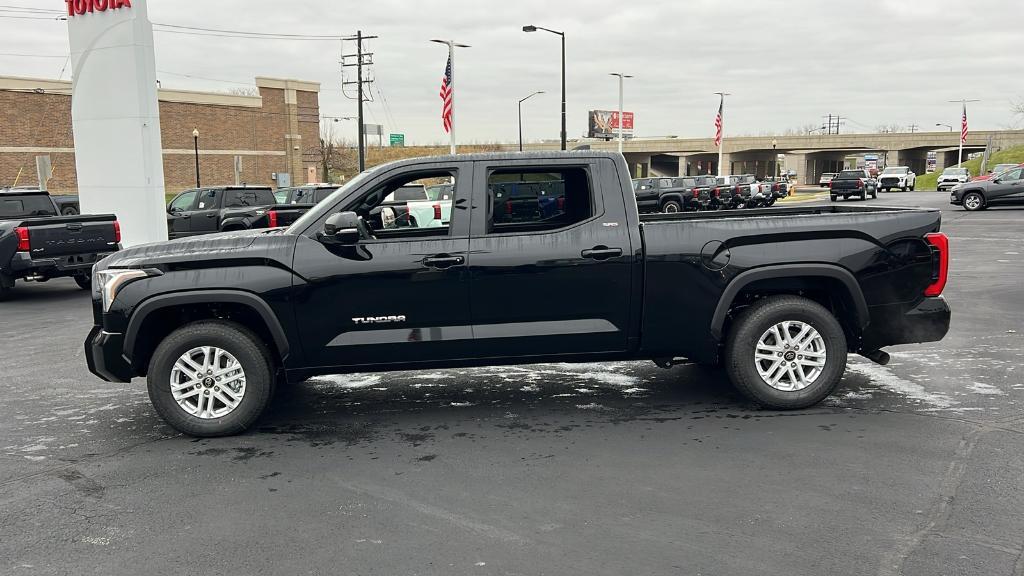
x,y
718,123
446,97
963,126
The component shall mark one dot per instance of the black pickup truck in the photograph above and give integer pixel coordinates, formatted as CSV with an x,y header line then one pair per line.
x,y
777,296
38,244
227,208
852,183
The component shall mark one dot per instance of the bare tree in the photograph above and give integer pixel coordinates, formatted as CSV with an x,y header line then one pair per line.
x,y
331,154
247,91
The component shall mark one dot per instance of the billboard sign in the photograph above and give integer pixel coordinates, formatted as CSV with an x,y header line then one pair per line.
x,y
605,124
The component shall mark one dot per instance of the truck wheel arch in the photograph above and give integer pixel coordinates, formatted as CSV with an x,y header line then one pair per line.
x,y
744,279
240,298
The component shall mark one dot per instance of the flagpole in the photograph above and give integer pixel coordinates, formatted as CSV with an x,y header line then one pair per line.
x,y
451,87
721,143
963,118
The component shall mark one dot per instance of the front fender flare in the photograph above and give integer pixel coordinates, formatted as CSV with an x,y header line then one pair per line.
x,y
150,305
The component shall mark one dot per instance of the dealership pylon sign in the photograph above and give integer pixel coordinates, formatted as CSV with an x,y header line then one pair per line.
x,y
115,115
81,7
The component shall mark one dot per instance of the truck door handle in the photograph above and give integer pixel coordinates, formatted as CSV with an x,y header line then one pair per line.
x,y
601,253
211,215
443,261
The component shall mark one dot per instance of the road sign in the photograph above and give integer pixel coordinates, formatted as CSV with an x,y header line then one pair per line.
x,y
397,140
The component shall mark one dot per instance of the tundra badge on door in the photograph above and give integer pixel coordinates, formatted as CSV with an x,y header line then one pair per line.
x,y
379,319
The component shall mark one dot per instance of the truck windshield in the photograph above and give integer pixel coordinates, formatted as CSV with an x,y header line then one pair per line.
x,y
26,206
894,171
955,171
850,175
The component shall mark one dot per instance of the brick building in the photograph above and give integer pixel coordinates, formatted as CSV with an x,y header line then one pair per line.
x,y
274,133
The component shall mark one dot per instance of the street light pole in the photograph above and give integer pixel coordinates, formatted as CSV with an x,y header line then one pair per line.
x,y
452,45
195,142
775,158
531,28
521,100
621,78
946,125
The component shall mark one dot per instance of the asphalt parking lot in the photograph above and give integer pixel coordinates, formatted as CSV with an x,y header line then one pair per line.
x,y
622,468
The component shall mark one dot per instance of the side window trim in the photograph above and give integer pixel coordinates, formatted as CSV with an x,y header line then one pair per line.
x,y
596,194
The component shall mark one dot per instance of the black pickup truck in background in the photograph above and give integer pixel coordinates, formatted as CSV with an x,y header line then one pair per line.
x,y
776,296
227,208
305,194
853,183
38,244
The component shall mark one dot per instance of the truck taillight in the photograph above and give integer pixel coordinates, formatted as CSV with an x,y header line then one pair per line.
x,y
775,187
860,182
272,218
941,244
117,232
716,192
829,184
437,211
508,207
561,203
24,245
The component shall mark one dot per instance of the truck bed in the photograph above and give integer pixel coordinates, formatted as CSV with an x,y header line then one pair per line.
x,y
776,212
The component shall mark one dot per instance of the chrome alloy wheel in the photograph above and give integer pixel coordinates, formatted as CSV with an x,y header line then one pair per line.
x,y
790,356
207,382
972,202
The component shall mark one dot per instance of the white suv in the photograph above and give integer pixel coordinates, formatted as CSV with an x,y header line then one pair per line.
x,y
950,177
896,177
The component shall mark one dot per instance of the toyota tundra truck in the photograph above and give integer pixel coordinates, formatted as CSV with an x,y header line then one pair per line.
x,y
778,297
37,244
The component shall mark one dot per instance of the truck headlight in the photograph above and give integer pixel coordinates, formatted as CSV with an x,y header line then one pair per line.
x,y
111,280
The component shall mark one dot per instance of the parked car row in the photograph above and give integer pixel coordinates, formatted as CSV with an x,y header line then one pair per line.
x,y
693,193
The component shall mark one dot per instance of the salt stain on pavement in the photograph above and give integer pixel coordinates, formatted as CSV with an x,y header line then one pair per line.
x,y
884,378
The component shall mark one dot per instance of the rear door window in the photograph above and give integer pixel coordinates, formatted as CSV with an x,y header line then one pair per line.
x,y
538,199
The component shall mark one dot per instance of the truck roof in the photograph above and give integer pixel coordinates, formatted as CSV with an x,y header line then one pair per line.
x,y
23,191
540,156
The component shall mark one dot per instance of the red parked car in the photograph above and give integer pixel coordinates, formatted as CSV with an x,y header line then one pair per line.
x,y
998,169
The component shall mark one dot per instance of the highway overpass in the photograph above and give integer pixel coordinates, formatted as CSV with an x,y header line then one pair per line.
x,y
809,155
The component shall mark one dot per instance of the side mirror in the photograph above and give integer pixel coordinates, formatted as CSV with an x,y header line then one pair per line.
x,y
995,180
173,210
342,228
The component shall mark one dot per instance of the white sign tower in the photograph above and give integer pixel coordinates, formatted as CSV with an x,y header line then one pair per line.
x,y
116,117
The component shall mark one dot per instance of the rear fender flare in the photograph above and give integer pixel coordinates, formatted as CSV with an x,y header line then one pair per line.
x,y
737,285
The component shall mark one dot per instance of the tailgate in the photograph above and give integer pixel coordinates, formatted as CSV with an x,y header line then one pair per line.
x,y
71,235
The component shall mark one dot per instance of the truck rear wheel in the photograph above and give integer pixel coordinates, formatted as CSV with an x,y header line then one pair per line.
x,y
786,352
84,281
210,378
671,207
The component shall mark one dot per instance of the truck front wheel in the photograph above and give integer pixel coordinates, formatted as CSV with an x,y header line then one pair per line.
x,y
671,207
210,378
786,352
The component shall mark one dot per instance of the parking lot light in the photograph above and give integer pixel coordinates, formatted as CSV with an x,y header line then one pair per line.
x,y
531,28
195,142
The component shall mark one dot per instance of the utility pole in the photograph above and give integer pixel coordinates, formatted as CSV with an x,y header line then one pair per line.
x,y
912,128
829,123
963,128
361,59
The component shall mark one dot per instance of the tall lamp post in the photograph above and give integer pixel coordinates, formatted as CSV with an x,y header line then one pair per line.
x,y
621,78
562,34
937,124
521,100
775,158
195,143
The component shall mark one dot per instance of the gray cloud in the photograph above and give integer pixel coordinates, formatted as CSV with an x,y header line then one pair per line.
x,y
786,62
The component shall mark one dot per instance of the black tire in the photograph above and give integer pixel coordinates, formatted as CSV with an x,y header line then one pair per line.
x,y
241,343
834,198
973,201
863,195
755,321
771,201
69,211
671,207
903,188
912,186
874,194
84,282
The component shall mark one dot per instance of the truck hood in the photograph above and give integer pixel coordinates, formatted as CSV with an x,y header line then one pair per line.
x,y
261,244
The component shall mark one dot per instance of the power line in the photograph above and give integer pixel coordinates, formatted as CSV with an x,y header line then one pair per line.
x,y
199,31
14,54
33,17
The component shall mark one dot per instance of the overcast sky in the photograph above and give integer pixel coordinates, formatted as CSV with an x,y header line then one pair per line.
x,y
786,62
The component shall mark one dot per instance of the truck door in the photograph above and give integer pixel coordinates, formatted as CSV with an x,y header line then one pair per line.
x,y
205,216
553,279
179,214
399,297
